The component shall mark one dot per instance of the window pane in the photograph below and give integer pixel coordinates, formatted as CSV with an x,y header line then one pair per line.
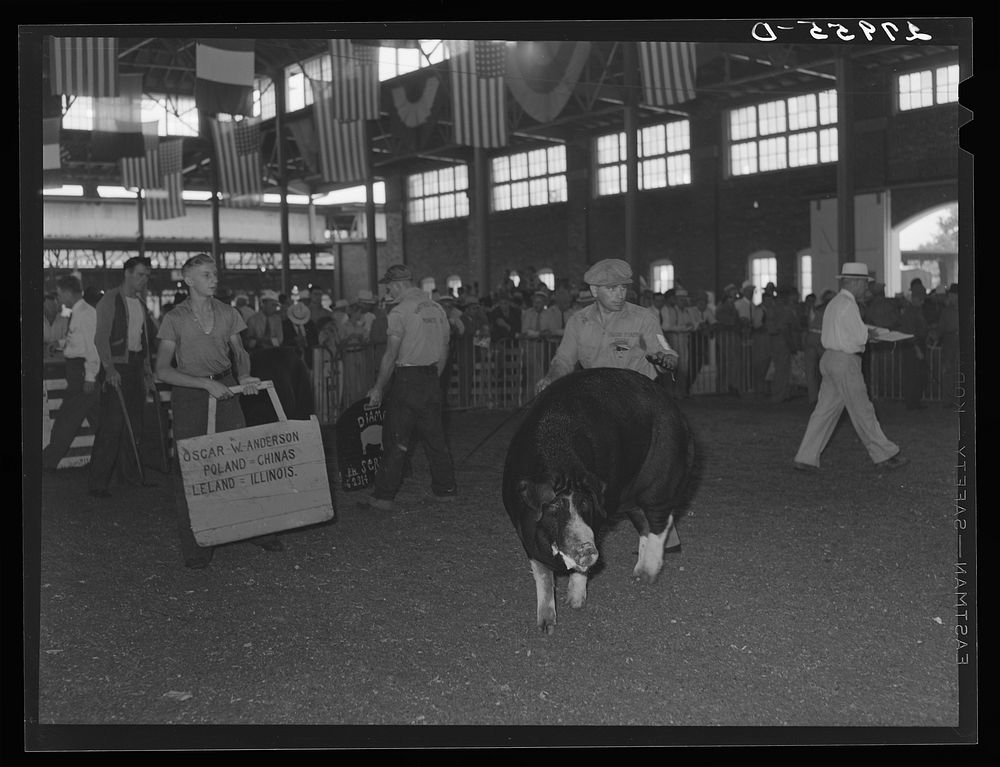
x,y
432,208
653,173
448,206
743,123
607,150
557,159
828,107
679,169
773,155
557,189
518,166
501,170
295,97
802,149
607,180
461,177
805,275
828,151
416,185
519,194
408,60
539,191
446,179
678,136
80,115
536,162
461,204
802,112
743,158
772,117
947,84
652,141
501,197
430,183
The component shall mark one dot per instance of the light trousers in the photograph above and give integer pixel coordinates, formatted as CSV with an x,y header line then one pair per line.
x,y
843,386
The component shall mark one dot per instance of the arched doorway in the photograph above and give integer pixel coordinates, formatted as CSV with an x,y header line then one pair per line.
x,y
925,246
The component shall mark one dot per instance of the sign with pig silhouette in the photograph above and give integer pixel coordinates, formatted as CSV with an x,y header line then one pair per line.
x,y
359,444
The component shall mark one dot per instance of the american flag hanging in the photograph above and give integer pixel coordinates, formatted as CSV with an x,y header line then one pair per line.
x,y
477,92
237,151
668,72
168,200
342,146
83,66
355,86
144,172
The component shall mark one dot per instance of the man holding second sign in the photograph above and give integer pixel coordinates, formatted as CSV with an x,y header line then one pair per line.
x,y
415,356
201,333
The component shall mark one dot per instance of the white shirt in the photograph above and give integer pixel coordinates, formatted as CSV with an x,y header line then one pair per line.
x,y
80,339
135,320
843,329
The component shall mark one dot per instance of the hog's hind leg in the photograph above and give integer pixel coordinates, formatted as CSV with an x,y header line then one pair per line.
x,y
545,593
650,561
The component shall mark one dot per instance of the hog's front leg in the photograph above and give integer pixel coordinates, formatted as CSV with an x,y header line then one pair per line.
x,y
545,592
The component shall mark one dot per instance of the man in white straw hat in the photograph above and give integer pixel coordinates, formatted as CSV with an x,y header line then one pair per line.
x,y
844,337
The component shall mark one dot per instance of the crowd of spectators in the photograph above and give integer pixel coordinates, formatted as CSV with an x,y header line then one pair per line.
x,y
779,330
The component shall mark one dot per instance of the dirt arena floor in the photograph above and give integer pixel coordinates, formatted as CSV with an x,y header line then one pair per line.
x,y
825,600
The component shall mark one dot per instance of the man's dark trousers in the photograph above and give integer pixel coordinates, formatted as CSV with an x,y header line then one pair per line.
x,y
113,445
414,408
76,404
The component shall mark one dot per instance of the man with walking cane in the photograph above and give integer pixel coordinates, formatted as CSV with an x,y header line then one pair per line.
x,y
126,376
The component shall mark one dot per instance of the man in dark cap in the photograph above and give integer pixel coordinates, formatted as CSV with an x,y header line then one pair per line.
x,y
612,333
415,356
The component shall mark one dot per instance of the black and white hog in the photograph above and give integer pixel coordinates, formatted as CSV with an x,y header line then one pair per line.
x,y
596,445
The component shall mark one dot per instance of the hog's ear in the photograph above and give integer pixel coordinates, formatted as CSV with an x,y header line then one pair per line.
x,y
596,486
535,494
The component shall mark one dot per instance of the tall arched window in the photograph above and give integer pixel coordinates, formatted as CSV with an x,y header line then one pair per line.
x,y
805,274
763,269
548,278
661,276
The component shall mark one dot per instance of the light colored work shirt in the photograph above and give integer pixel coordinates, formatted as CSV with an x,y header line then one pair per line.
x,y
199,353
80,339
422,327
843,329
621,341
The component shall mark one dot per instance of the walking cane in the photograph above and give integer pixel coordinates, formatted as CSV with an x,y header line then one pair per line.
x,y
159,429
131,434
159,413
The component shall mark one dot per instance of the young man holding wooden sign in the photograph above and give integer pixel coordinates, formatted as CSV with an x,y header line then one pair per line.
x,y
201,333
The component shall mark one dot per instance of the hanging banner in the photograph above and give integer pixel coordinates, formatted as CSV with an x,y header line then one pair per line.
x,y
541,75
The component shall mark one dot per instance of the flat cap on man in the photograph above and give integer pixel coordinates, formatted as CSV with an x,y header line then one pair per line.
x,y
395,273
609,271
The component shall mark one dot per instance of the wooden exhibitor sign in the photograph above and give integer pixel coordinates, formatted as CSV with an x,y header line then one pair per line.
x,y
261,479
359,444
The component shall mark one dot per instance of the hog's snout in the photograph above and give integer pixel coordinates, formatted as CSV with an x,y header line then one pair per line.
x,y
585,556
